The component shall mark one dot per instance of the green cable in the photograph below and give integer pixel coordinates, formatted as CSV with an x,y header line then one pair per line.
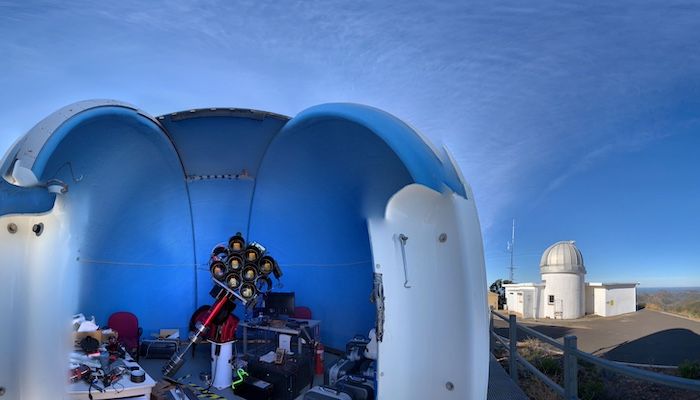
x,y
241,376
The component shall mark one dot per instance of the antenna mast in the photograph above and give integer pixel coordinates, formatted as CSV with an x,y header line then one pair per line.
x,y
511,248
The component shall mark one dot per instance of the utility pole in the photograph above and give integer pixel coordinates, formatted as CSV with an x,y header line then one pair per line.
x,y
511,249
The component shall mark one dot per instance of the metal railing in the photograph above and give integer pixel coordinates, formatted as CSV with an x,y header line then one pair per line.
x,y
571,356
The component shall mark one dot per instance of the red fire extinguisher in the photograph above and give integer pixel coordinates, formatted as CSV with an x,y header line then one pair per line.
x,y
319,359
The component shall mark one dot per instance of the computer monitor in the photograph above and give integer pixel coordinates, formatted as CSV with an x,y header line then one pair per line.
x,y
277,304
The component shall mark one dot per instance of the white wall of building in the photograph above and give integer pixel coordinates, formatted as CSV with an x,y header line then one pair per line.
x,y
524,299
613,298
539,294
514,300
531,300
599,301
590,304
621,300
568,292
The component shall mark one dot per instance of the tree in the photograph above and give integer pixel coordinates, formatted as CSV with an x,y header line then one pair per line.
x,y
497,287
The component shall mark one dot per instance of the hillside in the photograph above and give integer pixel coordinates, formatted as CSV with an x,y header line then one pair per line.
x,y
684,302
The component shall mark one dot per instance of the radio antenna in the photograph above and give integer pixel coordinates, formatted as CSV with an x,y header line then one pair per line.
x,y
511,249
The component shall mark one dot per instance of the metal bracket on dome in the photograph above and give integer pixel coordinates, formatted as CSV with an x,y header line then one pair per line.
x,y
378,299
402,239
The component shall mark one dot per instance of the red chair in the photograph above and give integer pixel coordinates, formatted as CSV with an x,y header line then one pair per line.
x,y
302,312
127,326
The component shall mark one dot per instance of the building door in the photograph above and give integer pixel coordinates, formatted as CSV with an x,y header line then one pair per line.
x,y
527,304
558,309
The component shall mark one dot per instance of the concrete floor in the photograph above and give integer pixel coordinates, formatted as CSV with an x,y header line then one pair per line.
x,y
645,337
501,387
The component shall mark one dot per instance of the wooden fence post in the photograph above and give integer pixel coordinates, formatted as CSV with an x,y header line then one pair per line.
x,y
570,368
492,340
513,348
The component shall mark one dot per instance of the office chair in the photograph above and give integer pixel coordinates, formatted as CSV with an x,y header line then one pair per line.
x,y
302,312
127,326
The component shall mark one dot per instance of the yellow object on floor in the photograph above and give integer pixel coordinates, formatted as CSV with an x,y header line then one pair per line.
x,y
203,393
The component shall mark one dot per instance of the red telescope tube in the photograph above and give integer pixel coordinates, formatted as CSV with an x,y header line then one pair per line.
x,y
178,358
216,308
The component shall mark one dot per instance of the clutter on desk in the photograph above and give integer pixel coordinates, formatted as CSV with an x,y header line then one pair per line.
x,y
138,376
83,328
268,357
100,371
285,342
82,324
280,355
99,359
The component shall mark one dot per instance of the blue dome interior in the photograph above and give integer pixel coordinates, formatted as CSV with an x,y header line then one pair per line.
x,y
148,199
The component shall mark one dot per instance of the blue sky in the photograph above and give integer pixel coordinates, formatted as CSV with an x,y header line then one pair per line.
x,y
579,120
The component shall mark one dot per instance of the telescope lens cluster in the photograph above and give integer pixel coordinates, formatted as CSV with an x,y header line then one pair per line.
x,y
243,268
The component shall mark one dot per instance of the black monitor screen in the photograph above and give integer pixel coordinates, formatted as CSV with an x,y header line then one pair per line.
x,y
279,303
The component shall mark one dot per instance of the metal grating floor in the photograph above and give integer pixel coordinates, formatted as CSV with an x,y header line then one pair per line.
x,y
501,387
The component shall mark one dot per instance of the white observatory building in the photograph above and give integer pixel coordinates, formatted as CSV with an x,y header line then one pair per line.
x,y
563,292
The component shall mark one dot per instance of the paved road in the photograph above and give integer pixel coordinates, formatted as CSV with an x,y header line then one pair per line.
x,y
647,337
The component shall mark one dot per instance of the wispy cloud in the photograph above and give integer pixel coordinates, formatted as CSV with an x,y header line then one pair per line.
x,y
592,158
515,90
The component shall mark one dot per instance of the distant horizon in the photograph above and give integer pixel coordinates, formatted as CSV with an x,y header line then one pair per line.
x,y
669,287
640,286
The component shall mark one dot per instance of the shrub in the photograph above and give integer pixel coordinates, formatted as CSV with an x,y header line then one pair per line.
x,y
591,389
550,366
689,369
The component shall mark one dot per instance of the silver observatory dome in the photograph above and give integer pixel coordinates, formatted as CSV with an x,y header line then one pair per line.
x,y
562,257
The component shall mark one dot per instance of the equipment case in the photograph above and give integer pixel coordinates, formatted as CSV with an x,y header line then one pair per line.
x,y
338,370
325,393
157,348
357,387
288,379
254,389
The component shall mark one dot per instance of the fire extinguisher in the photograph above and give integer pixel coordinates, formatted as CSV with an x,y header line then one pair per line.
x,y
319,359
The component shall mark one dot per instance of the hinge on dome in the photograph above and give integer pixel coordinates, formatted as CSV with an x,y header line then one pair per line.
x,y
378,299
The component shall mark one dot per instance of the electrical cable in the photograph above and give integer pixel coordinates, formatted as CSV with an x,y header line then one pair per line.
x,y
241,377
216,364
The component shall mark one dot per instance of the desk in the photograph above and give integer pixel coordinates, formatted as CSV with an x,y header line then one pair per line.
x,y
313,325
79,390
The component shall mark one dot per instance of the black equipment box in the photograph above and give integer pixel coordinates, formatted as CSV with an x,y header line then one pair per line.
x,y
157,348
254,389
325,393
288,379
357,387
338,370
